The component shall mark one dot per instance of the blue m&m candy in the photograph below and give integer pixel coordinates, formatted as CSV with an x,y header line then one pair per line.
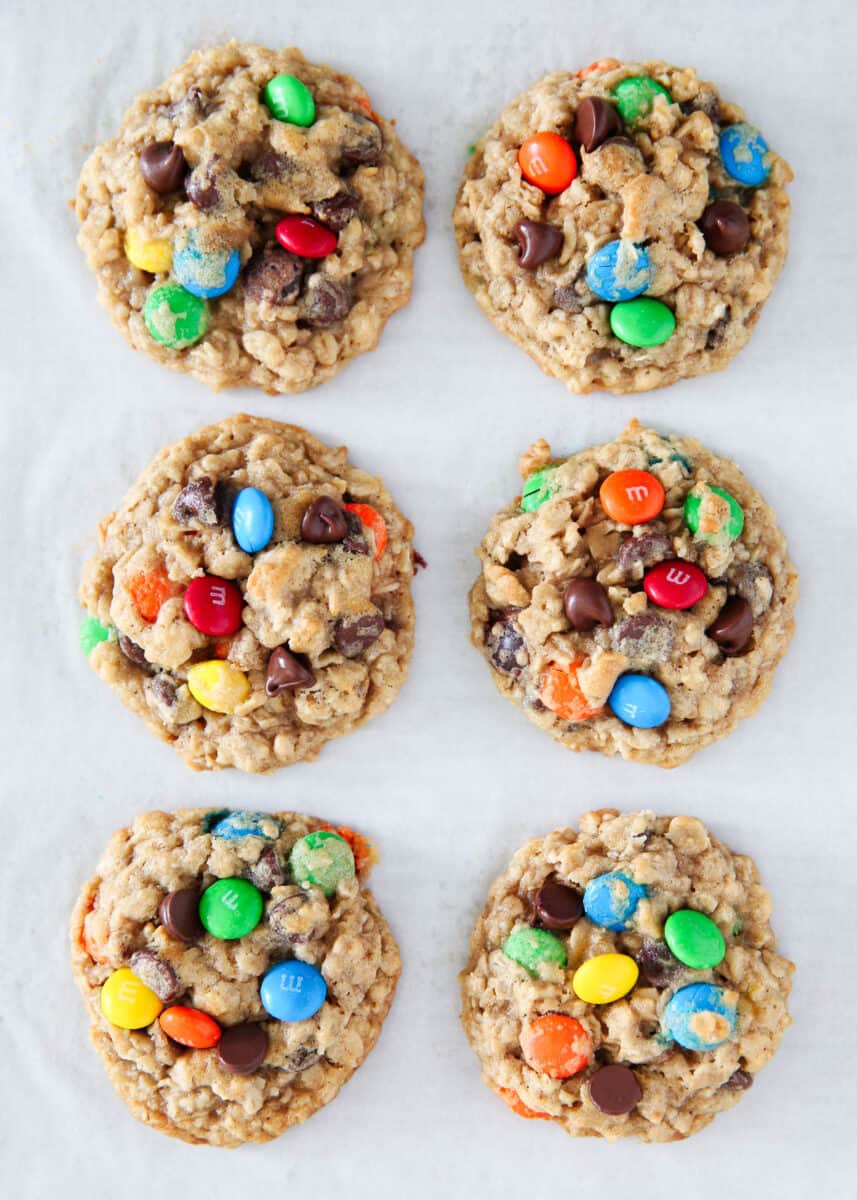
x,y
205,273
247,824
252,520
701,1016
293,991
619,271
640,701
611,900
745,154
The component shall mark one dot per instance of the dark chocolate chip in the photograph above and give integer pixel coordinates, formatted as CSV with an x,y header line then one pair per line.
x,y
323,522
705,101
274,276
595,121
717,332
754,582
242,1048
353,635
505,644
725,227
201,187
279,913
192,107
336,211
586,605
645,550
271,166
163,166
267,872
657,965
199,501
622,141
738,1081
365,145
131,650
644,636
732,628
420,563
302,1059
615,1090
327,301
557,906
164,689
355,539
179,915
157,974
537,242
286,672
567,299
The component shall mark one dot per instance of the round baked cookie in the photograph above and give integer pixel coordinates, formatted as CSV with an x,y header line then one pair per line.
x,y
624,980
235,968
636,598
250,599
624,225
254,221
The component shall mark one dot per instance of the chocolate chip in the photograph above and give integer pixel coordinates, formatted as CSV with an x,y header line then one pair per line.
x,y
286,672
725,227
364,145
717,332
164,689
242,1048
201,187
738,1081
271,166
537,242
199,501
567,299
156,974
131,650
557,906
705,101
267,872
287,906
753,581
302,1059
505,644
192,107
353,635
355,539
657,965
732,628
274,276
327,301
179,915
644,637
323,522
622,141
645,550
615,1090
586,605
595,121
163,166
336,211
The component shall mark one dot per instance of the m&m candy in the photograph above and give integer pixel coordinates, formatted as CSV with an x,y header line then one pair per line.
x,y
640,701
636,95
611,900
230,908
126,1001
174,317
205,273
238,825
605,978
288,99
252,520
322,859
560,691
154,255
305,237
701,1016
631,497
556,1044
529,948
675,584
213,606
536,490
190,1027
217,685
92,633
293,991
712,514
745,154
642,322
694,939
620,270
372,519
547,160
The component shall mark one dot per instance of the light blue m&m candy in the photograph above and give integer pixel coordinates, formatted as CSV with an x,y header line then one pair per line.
x,y
611,900
745,154
252,520
205,273
619,271
293,991
640,701
243,824
701,1016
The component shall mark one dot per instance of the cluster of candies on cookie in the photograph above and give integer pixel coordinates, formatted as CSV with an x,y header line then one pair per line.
x,y
699,1016
150,989
620,271
204,266
632,498
214,606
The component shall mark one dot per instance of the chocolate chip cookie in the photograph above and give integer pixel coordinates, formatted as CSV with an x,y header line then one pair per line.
x,y
624,980
635,598
254,221
624,225
250,600
235,969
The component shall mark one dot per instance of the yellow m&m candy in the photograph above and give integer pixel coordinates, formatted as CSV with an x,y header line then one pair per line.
x,y
605,978
127,1002
218,685
154,255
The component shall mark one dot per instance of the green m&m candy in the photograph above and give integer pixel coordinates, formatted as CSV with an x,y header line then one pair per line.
x,y
708,518
537,489
635,97
532,947
175,318
289,100
322,859
694,939
642,322
230,908
91,633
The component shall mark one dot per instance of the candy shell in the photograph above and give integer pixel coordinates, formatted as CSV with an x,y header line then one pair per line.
x,y
556,1044
611,900
305,237
92,633
175,318
537,489
631,497
560,691
675,584
745,154
548,161
252,520
288,99
701,1016
642,322
372,519
243,824
529,948
293,991
126,1001
605,978
213,606
694,939
321,859
190,1027
513,1101
708,521
230,908
205,273
154,255
218,686
640,701
636,95
619,270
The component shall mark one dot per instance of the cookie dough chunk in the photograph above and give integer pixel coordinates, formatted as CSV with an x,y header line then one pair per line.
x,y
636,598
254,221
624,225
235,969
624,980
250,600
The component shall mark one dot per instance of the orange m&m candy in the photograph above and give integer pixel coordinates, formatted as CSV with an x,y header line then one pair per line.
x,y
631,497
548,161
190,1027
556,1045
372,519
595,68
514,1101
560,692
149,590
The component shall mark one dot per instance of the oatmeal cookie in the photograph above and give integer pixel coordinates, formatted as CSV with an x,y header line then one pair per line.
x,y
251,597
624,225
636,598
624,980
254,221
235,969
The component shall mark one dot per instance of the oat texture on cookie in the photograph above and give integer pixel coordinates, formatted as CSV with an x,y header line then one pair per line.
x,y
624,225
250,599
254,221
236,970
635,598
623,980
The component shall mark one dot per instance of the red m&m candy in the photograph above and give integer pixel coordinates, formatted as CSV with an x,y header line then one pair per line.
x,y
213,606
305,237
675,584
